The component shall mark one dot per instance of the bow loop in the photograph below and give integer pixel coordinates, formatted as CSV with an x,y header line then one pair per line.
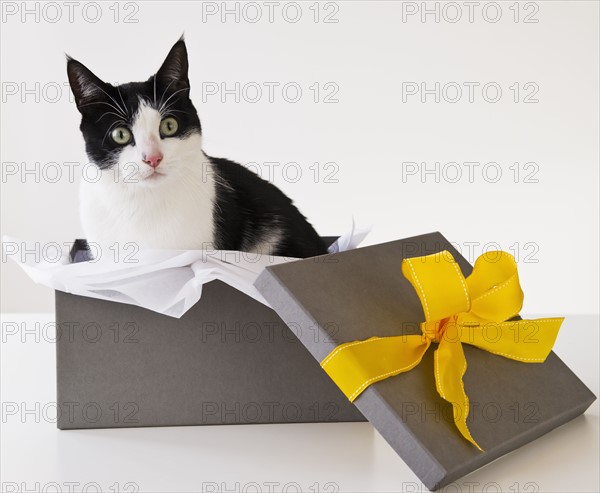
x,y
494,287
427,273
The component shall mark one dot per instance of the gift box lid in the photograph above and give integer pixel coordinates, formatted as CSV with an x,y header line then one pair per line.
x,y
361,293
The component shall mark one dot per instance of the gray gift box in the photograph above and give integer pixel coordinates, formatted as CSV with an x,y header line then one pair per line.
x,y
361,293
230,359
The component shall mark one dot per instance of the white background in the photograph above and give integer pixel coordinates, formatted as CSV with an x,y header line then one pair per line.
x,y
551,225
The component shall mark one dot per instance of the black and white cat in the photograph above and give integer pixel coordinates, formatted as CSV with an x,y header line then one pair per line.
x,y
156,186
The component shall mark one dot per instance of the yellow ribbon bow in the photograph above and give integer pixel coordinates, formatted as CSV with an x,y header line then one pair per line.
x,y
458,310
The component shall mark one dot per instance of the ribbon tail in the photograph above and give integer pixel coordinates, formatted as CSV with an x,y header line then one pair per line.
x,y
356,365
450,366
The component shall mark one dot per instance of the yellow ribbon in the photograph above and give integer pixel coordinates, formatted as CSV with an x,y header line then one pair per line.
x,y
458,310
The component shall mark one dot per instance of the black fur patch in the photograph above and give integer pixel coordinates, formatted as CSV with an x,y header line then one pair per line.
x,y
249,208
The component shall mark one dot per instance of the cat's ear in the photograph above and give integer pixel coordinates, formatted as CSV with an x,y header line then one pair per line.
x,y
86,87
174,71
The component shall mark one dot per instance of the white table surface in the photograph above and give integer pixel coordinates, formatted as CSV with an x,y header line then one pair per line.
x,y
36,456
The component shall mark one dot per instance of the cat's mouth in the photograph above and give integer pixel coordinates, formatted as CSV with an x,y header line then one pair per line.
x,y
154,176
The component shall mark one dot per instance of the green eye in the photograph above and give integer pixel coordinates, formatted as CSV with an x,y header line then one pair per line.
x,y
168,126
121,135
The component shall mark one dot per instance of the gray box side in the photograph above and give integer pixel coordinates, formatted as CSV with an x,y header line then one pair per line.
x,y
229,360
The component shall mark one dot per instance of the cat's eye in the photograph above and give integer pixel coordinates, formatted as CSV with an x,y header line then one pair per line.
x,y
121,135
168,126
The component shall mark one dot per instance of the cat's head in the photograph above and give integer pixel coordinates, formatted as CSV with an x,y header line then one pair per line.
x,y
143,133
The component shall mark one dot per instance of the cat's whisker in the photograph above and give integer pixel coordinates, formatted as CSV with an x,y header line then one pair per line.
x,y
154,89
164,92
166,110
169,111
121,110
103,102
176,92
122,100
108,113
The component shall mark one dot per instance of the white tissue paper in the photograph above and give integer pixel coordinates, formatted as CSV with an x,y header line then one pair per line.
x,y
165,281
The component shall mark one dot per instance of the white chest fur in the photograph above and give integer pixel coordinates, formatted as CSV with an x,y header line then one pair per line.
x,y
175,213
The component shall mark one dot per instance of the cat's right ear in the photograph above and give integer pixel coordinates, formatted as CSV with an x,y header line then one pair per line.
x,y
87,88
174,71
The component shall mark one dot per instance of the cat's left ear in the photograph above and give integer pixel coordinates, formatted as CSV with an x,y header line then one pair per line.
x,y
174,71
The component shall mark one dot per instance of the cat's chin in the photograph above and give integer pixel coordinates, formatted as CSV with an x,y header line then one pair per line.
x,y
152,180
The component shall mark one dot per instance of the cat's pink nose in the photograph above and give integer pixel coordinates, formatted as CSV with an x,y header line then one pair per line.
x,y
153,159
